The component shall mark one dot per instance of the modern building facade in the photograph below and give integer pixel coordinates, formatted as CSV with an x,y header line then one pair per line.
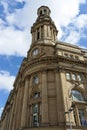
x,y
50,90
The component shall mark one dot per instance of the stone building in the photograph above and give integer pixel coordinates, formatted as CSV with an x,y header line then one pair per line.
x,y
50,90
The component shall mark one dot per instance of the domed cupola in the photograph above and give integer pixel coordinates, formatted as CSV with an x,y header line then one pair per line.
x,y
44,29
43,10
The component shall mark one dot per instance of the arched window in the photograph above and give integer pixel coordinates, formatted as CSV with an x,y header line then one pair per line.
x,y
77,96
41,12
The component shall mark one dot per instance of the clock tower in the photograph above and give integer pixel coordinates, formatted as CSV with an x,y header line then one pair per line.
x,y
44,29
50,89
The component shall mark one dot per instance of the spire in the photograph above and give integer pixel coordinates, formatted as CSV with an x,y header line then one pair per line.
x,y
44,29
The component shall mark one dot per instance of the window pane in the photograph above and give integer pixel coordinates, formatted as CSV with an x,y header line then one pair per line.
x,y
36,95
68,76
35,108
74,76
35,80
35,120
35,52
79,77
77,96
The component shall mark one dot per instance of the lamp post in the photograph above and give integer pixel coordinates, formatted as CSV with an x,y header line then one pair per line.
x,y
68,112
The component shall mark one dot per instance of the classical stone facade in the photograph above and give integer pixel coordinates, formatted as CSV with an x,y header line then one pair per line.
x,y
50,90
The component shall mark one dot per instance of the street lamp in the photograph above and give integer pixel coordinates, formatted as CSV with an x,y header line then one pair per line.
x,y
68,112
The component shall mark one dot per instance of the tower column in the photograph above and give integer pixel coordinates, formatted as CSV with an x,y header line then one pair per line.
x,y
40,32
35,35
49,32
45,119
25,104
45,31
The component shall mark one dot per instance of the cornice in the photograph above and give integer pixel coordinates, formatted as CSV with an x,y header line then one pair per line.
x,y
50,62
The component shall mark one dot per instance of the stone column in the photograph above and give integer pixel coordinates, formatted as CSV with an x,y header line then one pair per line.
x,y
35,35
32,37
49,32
64,94
40,32
45,31
19,107
45,119
25,104
60,114
52,34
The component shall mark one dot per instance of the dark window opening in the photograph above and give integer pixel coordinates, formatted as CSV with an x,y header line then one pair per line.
x,y
41,12
38,35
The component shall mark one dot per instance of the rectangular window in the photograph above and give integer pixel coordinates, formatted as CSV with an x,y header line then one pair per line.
x,y
35,119
68,76
82,117
73,76
79,77
35,108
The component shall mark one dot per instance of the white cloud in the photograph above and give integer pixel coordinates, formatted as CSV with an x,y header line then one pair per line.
x,y
16,42
13,42
73,37
6,80
65,10
81,21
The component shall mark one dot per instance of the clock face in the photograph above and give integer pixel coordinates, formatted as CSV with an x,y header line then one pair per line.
x,y
35,52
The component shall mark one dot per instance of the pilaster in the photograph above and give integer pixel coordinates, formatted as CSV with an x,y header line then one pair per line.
x,y
45,31
45,119
63,93
25,104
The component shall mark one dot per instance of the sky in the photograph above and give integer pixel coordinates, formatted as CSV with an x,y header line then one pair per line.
x,y
16,19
